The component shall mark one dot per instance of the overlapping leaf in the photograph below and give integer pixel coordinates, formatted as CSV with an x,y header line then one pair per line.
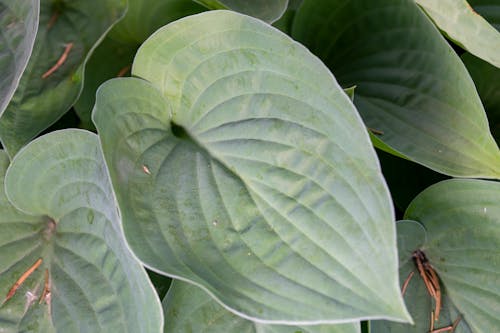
x,y
265,10
145,16
462,24
460,238
62,211
43,96
187,308
489,9
412,90
18,26
243,167
110,59
114,56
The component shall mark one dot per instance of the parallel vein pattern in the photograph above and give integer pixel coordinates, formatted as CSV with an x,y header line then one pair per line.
x,y
96,284
242,167
403,69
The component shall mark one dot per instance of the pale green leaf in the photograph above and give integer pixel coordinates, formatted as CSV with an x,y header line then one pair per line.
x,y
489,9
251,174
460,236
59,207
188,308
463,25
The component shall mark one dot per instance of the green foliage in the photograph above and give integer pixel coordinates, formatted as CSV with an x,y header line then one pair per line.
x,y
18,24
239,161
188,308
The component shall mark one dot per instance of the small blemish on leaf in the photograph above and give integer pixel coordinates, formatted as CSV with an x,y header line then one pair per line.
x,y
146,170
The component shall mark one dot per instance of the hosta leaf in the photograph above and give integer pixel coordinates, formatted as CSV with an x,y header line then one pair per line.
x,y
460,238
412,236
188,308
487,80
489,9
62,211
251,174
463,25
18,26
402,68
265,10
65,27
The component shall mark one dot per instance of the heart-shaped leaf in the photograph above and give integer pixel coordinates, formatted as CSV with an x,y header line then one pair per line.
x,y
251,174
68,31
463,25
61,229
188,308
265,10
460,238
18,26
487,80
403,68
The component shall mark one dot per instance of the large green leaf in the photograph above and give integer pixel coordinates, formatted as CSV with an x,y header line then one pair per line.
x,y
38,102
410,85
461,240
62,210
188,308
412,236
487,80
251,174
266,10
18,26
463,25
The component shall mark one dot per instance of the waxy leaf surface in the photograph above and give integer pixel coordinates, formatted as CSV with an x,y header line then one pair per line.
x,y
412,90
59,207
462,24
242,167
458,229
